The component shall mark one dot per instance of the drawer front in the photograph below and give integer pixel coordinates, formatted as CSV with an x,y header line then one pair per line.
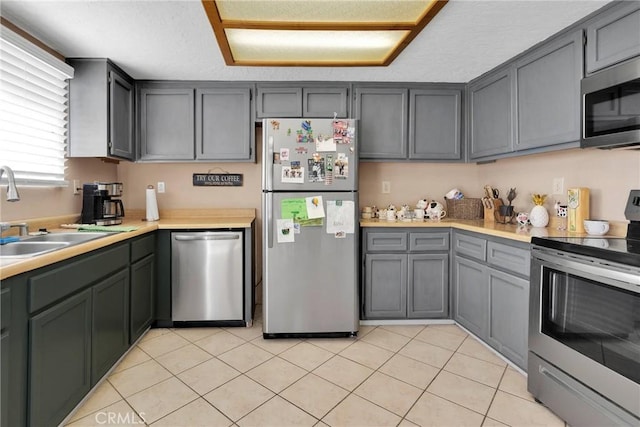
x,y
429,241
142,247
470,246
516,260
385,242
55,284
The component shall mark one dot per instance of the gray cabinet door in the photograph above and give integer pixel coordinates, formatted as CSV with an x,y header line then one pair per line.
x,y
325,102
121,116
491,114
383,116
428,286
613,36
385,286
142,296
167,124
278,102
508,316
110,323
471,299
224,128
548,92
435,118
60,359
5,313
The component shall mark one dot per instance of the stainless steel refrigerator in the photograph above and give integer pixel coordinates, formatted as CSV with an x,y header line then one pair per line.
x,y
310,232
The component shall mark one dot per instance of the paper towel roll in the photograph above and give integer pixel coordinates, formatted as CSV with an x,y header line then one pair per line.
x,y
152,204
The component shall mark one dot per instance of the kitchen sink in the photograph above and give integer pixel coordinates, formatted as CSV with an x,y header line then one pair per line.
x,y
37,245
26,249
72,238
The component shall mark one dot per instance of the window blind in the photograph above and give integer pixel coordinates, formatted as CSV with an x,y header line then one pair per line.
x,y
33,111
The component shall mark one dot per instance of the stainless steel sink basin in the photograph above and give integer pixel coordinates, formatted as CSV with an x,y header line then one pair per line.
x,y
32,246
77,237
25,249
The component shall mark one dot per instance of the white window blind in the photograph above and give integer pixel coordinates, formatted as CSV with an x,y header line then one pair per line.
x,y
33,111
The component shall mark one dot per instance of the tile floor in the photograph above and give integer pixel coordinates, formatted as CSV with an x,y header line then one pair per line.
x,y
434,375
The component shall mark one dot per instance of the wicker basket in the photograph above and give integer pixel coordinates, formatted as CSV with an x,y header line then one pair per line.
x,y
466,208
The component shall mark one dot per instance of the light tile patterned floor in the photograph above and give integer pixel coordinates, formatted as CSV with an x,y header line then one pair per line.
x,y
432,375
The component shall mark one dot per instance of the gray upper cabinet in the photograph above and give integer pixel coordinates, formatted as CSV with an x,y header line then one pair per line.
x,y
278,102
548,93
383,116
435,124
613,36
101,110
196,121
491,114
307,100
325,102
224,129
166,124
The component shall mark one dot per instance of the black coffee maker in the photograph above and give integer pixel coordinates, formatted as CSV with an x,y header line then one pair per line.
x,y
101,204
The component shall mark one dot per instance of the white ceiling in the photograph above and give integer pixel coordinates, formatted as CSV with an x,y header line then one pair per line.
x,y
173,39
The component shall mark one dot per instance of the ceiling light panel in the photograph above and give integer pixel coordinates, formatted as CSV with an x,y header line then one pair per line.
x,y
317,32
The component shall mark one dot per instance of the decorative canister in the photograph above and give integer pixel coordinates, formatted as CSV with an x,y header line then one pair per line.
x,y
539,217
578,209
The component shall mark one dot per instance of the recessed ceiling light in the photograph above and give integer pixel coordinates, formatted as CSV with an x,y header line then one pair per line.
x,y
317,32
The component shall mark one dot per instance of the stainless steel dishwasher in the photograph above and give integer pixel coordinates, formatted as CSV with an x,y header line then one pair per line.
x,y
207,276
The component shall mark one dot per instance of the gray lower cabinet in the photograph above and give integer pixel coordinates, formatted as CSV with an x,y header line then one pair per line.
x,y
548,94
491,291
406,274
508,322
142,300
65,325
308,101
166,124
110,323
5,353
60,359
101,110
491,114
613,36
471,295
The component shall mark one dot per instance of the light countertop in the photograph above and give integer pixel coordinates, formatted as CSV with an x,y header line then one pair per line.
x,y
508,231
170,220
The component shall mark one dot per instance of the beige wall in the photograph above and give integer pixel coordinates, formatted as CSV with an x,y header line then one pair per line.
x,y
37,202
608,174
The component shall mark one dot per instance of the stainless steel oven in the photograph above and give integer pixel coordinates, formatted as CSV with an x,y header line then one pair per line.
x,y
584,329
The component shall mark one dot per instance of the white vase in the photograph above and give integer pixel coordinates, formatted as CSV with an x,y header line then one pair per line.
x,y
539,217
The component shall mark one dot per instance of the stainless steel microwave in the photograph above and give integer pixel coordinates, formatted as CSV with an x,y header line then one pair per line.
x,y
611,107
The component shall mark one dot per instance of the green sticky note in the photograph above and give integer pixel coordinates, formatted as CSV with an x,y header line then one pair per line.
x,y
294,209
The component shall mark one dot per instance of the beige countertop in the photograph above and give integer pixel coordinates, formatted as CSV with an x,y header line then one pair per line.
x,y
508,231
178,219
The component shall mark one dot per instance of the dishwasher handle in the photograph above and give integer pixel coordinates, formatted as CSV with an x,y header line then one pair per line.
x,y
183,237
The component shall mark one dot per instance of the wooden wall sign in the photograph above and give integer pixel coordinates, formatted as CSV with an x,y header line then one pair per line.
x,y
217,179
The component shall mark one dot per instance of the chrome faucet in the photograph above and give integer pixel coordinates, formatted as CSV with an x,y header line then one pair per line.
x,y
12,191
24,227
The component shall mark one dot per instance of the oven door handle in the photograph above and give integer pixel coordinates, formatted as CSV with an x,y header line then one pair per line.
x,y
629,281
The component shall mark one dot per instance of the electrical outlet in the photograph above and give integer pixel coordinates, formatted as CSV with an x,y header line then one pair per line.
x,y
161,188
386,187
76,186
558,186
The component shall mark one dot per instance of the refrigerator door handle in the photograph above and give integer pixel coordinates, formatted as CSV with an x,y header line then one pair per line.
x,y
268,162
268,221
